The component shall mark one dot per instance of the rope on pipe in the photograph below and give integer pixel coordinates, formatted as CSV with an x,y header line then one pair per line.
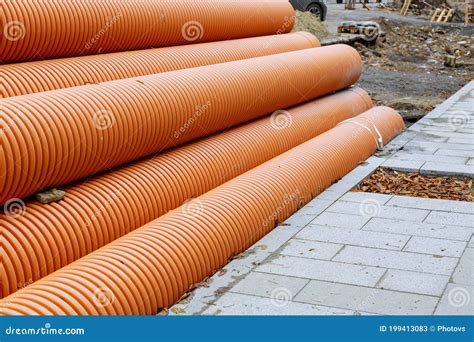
x,y
56,137
34,77
151,267
46,29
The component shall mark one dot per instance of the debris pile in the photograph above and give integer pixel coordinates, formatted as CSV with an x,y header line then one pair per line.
x,y
413,68
410,47
387,181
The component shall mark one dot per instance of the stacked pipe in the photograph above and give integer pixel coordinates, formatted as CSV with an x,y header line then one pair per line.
x,y
143,234
56,137
47,237
34,77
151,267
61,28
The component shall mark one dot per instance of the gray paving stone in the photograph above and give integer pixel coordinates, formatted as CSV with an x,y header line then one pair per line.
x,y
353,237
440,169
433,246
467,141
310,249
459,153
419,229
464,273
467,129
397,260
456,300
431,204
471,243
299,220
457,219
373,208
359,173
328,195
342,187
433,128
359,197
315,207
239,304
340,220
403,165
269,285
420,149
402,155
276,238
367,299
451,135
424,137
437,145
414,282
235,270
322,270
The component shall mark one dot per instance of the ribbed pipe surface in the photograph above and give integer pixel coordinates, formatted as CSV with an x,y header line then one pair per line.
x,y
46,29
151,267
59,136
35,77
47,237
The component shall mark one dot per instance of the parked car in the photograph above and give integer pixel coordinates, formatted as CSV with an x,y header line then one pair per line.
x,y
317,7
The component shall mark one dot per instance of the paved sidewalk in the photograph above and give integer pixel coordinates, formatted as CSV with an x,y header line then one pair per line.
x,y
351,253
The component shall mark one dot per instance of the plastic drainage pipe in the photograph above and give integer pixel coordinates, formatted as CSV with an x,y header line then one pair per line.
x,y
40,239
36,30
153,266
56,137
35,77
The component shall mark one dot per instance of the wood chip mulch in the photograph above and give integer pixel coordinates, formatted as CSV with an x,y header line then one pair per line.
x,y
391,182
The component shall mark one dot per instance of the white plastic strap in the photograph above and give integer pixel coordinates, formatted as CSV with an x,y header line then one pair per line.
x,y
378,138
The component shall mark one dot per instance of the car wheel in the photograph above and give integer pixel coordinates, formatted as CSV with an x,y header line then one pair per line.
x,y
316,10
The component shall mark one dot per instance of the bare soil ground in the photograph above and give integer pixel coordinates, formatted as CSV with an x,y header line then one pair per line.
x,y
405,69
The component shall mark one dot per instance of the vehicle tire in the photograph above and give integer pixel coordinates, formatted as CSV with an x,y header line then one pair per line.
x,y
316,10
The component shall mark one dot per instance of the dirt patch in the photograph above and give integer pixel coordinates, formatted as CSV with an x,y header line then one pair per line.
x,y
405,69
391,182
305,21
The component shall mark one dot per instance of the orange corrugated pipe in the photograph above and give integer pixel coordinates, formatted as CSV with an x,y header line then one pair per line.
x,y
35,77
40,239
35,30
153,266
56,137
